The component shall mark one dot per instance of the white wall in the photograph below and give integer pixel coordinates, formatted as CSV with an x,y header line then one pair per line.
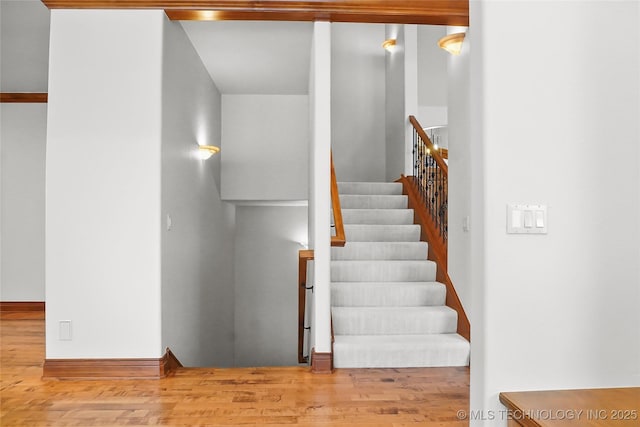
x,y
459,145
559,310
266,140
410,92
23,130
197,252
266,276
103,183
432,76
357,101
401,95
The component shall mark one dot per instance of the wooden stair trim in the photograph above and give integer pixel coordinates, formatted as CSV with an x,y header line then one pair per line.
x,y
339,239
321,363
433,12
96,369
437,253
24,97
171,362
22,310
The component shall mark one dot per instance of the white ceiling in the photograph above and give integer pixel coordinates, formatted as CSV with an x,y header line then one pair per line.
x,y
254,57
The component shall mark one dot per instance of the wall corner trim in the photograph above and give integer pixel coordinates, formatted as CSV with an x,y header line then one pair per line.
x,y
103,369
321,363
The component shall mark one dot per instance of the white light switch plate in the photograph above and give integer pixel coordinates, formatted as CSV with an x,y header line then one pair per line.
x,y
526,218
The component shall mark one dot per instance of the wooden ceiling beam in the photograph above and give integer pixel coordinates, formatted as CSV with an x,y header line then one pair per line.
x,y
434,12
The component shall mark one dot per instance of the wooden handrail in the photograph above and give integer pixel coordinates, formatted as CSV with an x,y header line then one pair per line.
x,y
434,153
304,256
437,252
339,239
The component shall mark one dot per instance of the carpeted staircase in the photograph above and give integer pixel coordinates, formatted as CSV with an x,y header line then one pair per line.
x,y
387,308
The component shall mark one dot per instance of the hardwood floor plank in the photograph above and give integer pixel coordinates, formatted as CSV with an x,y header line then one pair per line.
x,y
273,396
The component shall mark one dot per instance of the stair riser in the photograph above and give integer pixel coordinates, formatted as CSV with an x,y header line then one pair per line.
x,y
383,271
355,294
369,188
382,233
381,251
415,352
377,216
373,202
403,321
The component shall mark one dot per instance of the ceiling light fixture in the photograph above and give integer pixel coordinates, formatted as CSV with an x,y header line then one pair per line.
x,y
207,151
389,44
452,43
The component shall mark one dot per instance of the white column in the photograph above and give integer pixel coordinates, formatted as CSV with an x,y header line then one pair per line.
x,y
410,92
103,184
320,183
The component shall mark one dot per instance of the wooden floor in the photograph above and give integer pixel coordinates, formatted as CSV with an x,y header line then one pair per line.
x,y
224,397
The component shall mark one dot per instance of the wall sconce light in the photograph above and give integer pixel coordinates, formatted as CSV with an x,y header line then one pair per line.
x,y
452,43
389,45
206,151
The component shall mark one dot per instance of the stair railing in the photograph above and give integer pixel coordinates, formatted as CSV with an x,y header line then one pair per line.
x,y
430,176
306,255
427,194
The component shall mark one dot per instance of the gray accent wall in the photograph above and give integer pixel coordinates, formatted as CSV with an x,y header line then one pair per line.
x,y
266,146
358,101
24,46
432,76
266,275
197,250
23,132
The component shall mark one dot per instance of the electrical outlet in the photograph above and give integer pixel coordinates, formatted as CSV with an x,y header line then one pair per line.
x,y
64,333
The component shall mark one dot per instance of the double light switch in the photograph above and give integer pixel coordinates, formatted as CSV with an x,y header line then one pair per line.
x,y
526,219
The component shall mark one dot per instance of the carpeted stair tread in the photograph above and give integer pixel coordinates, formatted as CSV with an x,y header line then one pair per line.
x,y
394,320
383,271
387,294
359,201
369,188
400,351
377,216
382,233
387,309
381,251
